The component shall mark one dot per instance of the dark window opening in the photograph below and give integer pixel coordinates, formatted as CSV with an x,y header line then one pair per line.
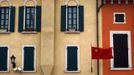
x,y
3,58
29,18
72,18
7,19
120,44
28,59
72,58
119,18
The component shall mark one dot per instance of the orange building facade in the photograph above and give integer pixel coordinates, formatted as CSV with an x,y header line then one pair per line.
x,y
118,33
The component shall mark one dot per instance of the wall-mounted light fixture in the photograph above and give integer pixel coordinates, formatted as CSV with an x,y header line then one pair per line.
x,y
12,58
13,62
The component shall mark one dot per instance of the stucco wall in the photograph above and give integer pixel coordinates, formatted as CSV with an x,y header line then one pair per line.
x,y
84,39
16,40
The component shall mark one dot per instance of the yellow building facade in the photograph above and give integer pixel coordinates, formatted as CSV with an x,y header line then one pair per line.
x,y
50,43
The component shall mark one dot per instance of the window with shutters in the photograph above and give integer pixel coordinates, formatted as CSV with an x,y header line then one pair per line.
x,y
72,58
7,19
119,18
72,18
29,18
4,59
121,44
29,58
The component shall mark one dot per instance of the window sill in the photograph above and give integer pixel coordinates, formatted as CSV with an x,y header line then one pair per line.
x,y
5,32
72,32
72,71
119,22
4,71
130,68
29,32
29,71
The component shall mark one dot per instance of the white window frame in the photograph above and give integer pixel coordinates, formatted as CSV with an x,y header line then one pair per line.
x,y
3,31
7,57
77,20
24,18
34,57
129,49
66,2
115,18
78,57
9,5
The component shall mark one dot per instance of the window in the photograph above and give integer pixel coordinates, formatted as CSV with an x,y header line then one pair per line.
x,y
29,61
4,59
30,14
72,19
120,41
72,58
119,18
7,19
30,19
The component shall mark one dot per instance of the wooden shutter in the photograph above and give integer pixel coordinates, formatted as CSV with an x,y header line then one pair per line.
x,y
81,18
0,16
28,59
3,58
120,50
38,18
12,19
72,59
21,18
63,18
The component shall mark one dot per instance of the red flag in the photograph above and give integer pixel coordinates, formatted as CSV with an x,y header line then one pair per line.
x,y
101,53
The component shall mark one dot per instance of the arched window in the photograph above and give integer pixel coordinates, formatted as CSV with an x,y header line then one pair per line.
x,y
72,17
30,17
7,16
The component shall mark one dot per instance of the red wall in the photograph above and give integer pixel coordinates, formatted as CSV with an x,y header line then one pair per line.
x,y
107,25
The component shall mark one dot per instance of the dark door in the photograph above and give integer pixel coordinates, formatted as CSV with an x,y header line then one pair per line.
x,y
28,59
3,58
120,44
72,58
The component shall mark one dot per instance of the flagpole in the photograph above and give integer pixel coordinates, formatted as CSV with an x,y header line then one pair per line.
x,y
91,60
91,66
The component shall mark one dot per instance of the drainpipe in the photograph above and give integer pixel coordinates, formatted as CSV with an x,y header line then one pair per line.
x,y
98,7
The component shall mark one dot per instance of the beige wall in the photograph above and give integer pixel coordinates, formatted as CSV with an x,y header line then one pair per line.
x,y
16,40
47,36
84,40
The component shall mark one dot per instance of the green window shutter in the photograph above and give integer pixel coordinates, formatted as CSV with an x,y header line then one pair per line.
x,y
72,64
81,18
12,19
3,58
0,16
28,59
38,18
21,18
63,18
